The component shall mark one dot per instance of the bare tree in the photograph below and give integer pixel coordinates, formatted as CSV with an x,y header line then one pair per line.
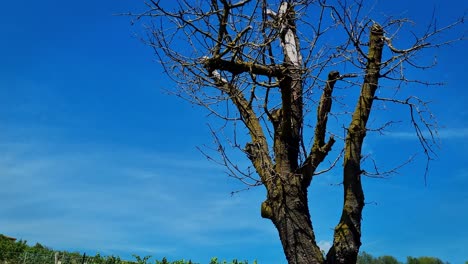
x,y
265,65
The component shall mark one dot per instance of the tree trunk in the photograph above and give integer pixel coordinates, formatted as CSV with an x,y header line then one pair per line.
x,y
287,204
289,212
347,237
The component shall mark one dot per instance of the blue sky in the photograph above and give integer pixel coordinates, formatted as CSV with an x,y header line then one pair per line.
x,y
95,157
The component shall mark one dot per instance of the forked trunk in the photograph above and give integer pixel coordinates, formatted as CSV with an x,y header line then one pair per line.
x,y
287,204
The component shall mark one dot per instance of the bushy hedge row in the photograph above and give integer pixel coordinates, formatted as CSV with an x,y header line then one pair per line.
x,y
18,252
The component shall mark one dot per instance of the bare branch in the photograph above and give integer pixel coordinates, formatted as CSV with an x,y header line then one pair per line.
x,y
384,174
332,165
421,118
242,61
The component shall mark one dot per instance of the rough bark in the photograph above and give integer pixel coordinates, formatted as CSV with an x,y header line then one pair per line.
x,y
241,61
288,210
285,179
347,237
287,203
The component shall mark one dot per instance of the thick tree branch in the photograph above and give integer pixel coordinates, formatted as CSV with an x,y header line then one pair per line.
x,y
319,148
288,132
347,236
257,150
238,67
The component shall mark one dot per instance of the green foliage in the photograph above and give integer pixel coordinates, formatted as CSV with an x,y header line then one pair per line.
x,y
18,252
365,258
424,260
143,260
10,250
98,259
235,261
387,260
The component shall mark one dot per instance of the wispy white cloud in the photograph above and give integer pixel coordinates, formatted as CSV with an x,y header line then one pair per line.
x,y
445,133
89,197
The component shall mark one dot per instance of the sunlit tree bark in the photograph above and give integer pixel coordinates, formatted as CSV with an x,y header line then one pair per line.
x,y
267,61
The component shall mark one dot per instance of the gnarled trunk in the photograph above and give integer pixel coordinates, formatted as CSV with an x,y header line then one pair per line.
x,y
289,212
287,204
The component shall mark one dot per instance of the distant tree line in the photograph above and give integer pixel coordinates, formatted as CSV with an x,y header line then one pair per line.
x,y
366,258
18,252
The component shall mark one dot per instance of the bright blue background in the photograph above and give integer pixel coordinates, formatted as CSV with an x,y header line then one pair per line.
x,y
95,157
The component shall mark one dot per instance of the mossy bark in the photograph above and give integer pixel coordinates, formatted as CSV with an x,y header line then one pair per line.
x,y
289,212
287,181
347,236
287,205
